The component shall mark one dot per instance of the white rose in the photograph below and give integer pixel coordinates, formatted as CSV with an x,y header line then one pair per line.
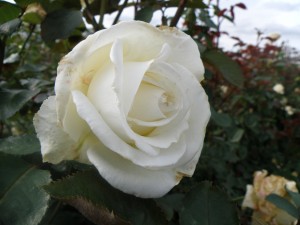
x,y
289,110
279,88
128,100
274,37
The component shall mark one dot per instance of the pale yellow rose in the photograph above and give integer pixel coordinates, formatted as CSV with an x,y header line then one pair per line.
x,y
256,194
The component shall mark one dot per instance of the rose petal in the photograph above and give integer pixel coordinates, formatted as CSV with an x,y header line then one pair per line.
x,y
249,198
128,76
78,129
105,134
56,145
146,103
130,178
197,119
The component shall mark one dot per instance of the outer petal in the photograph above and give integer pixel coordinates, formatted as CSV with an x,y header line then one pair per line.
x,y
143,43
130,178
249,198
56,145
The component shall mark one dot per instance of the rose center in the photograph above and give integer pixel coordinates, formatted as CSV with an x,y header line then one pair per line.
x,y
152,103
167,104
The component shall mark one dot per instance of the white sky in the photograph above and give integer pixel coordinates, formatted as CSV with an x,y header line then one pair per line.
x,y
269,16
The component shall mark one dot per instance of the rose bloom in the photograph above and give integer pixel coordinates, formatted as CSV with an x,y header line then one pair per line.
x,y
279,88
274,37
264,210
289,110
129,101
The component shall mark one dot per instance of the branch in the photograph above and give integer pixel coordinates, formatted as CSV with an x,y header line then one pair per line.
x,y
102,12
91,17
120,12
32,27
178,13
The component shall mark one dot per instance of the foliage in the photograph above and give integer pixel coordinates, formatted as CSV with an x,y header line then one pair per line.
x,y
251,127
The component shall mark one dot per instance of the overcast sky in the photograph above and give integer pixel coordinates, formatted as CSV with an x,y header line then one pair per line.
x,y
269,16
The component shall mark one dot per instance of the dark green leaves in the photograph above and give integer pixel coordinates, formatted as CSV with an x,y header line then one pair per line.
x,y
221,119
292,208
12,100
225,66
24,3
295,197
20,145
22,201
60,24
145,14
99,202
8,12
283,204
206,205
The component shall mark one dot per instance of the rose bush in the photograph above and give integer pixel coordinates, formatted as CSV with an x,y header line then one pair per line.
x,y
256,194
129,101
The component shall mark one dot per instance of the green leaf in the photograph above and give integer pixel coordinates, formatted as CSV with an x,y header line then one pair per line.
x,y
170,204
24,3
221,119
12,100
145,14
237,136
60,24
295,197
190,4
205,17
20,145
9,27
283,204
230,70
100,202
22,201
206,205
33,18
8,12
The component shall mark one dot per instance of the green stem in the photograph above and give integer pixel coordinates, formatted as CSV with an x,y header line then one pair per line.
x,y
178,13
120,12
102,12
32,27
90,15
237,199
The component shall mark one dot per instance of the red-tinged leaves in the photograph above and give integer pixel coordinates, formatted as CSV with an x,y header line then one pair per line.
x,y
241,5
221,12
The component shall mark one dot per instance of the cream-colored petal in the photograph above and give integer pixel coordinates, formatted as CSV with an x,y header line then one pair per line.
x,y
143,43
106,98
199,114
112,141
249,198
72,123
198,120
103,96
130,178
127,77
146,105
56,145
